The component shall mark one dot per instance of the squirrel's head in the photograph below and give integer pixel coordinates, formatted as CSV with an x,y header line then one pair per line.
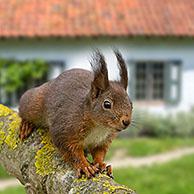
x,y
110,103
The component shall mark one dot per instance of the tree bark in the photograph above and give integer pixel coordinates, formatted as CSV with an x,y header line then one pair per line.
x,y
38,165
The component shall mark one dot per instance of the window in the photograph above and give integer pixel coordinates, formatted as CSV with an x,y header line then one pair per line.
x,y
54,68
149,81
155,80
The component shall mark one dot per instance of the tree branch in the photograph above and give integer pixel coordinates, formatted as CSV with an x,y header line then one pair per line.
x,y
38,165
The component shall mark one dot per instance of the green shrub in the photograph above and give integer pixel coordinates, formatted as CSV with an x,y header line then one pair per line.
x,y
184,122
153,125
18,76
15,74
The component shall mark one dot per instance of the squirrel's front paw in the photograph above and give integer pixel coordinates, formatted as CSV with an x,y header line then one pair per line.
x,y
100,165
107,169
88,170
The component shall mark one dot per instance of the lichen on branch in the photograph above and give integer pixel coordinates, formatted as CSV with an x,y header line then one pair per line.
x,y
39,166
8,134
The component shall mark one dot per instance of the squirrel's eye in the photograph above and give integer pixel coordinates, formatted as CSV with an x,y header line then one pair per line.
x,y
107,104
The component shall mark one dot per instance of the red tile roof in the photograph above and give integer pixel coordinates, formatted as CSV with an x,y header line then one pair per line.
x,y
29,18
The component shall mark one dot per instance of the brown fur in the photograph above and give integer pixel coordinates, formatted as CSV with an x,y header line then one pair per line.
x,y
122,69
72,107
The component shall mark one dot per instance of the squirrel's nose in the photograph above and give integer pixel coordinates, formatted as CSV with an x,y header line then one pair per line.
x,y
126,122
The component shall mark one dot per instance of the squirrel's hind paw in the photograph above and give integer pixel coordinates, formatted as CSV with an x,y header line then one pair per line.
x,y
108,171
26,129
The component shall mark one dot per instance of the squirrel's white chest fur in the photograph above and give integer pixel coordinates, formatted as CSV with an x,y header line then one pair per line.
x,y
97,136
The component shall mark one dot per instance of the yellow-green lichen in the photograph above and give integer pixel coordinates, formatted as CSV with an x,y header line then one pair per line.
x,y
10,136
2,137
4,111
82,179
1,125
103,182
113,188
2,133
44,157
12,139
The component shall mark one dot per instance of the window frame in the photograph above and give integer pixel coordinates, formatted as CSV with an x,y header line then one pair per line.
x,y
168,82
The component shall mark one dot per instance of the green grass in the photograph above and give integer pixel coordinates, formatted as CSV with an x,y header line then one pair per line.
x,y
3,173
13,190
138,147
175,177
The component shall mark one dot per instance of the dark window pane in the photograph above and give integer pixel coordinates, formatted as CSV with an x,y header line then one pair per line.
x,y
140,81
149,81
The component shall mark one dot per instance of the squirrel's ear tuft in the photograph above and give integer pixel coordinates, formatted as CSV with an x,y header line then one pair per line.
x,y
122,69
99,67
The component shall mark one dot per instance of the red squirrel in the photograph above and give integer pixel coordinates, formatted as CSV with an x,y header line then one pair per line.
x,y
83,111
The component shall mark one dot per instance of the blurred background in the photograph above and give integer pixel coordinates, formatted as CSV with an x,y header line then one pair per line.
x,y
41,39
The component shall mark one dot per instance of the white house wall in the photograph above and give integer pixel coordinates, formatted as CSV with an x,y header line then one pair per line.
x,y
76,53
